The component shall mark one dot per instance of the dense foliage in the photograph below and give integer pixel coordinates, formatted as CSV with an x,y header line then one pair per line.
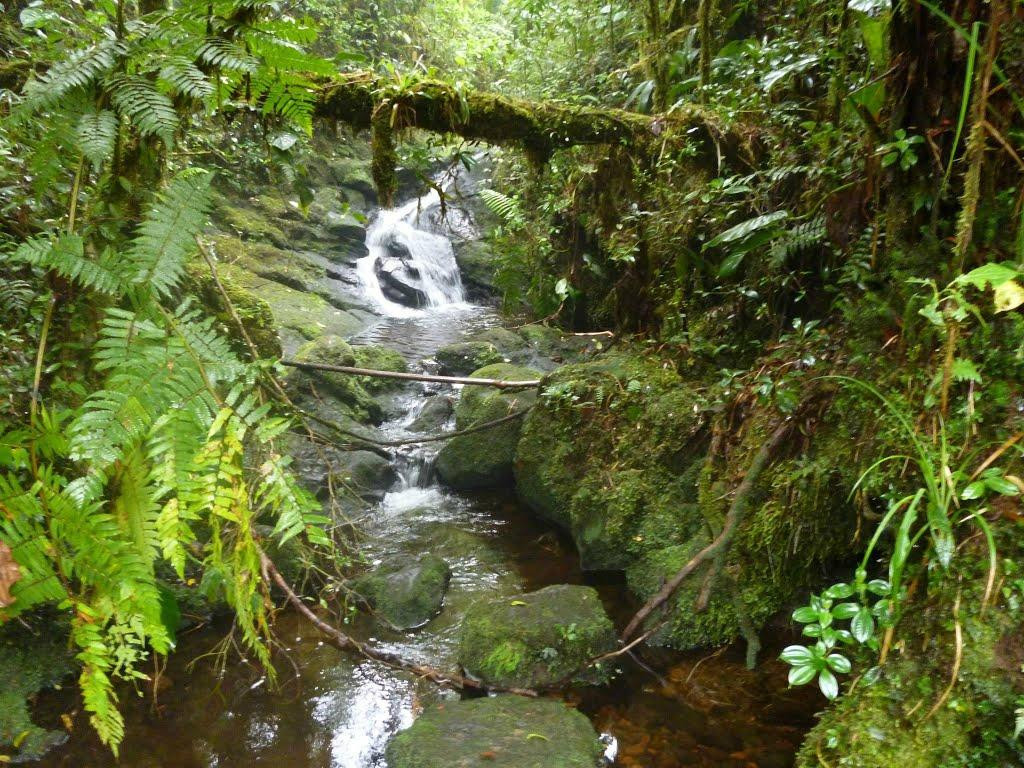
x,y
849,207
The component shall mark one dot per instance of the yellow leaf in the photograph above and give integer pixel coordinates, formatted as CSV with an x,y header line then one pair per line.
x,y
1009,295
69,723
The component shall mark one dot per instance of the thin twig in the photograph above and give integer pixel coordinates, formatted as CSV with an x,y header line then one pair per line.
x,y
498,383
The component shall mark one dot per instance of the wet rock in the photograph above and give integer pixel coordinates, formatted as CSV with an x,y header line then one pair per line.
x,y
463,358
434,414
367,473
536,639
484,459
478,266
378,358
500,731
399,281
406,595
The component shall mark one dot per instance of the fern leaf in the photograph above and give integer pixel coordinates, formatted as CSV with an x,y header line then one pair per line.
x,y
287,56
166,237
185,78
149,110
508,208
97,132
77,71
64,254
218,52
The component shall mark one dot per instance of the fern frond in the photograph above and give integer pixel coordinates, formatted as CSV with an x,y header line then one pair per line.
x,y
149,110
186,79
166,237
97,132
504,206
226,54
80,69
287,56
65,255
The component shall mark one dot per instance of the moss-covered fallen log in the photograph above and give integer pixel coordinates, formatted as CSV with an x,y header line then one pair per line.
x,y
365,100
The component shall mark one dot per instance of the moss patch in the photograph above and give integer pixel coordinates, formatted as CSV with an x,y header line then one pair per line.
x,y
537,639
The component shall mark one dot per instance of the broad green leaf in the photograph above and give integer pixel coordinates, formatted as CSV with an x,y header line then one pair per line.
x,y
802,674
805,614
845,610
828,684
1002,485
839,591
797,654
975,490
839,663
746,228
965,370
987,274
863,625
879,587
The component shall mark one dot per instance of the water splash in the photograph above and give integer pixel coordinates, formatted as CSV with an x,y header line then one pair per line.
x,y
430,256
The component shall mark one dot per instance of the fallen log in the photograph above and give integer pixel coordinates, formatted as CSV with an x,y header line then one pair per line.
x,y
497,383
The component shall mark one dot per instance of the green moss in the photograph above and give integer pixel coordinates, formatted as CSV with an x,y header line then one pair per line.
x,y
379,359
344,387
499,731
255,314
485,459
465,357
536,639
406,594
29,662
249,223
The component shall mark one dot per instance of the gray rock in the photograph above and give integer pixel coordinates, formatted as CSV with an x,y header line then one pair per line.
x,y
369,474
434,414
406,595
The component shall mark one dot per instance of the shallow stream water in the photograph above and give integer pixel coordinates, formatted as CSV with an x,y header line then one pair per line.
x,y
333,710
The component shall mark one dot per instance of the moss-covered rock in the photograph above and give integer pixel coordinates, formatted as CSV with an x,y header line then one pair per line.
x,y
29,662
255,314
484,459
537,639
379,358
615,453
346,388
478,266
405,595
500,731
464,357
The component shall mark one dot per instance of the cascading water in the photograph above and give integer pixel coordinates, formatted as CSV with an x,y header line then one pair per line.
x,y
415,266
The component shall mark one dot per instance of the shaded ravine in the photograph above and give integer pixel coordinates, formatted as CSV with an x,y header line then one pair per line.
x,y
339,711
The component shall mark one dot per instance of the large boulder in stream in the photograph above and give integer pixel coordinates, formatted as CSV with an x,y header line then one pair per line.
x,y
537,639
500,731
405,594
484,459
464,357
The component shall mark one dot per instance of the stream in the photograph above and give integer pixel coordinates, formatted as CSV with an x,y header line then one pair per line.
x,y
333,710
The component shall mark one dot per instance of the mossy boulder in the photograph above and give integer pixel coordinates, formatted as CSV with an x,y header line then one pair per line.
x,y
405,595
500,731
615,454
255,314
537,639
484,459
345,387
478,265
29,662
379,358
464,357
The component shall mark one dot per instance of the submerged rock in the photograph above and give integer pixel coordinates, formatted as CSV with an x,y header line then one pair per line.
x,y
500,731
537,639
464,357
484,459
406,595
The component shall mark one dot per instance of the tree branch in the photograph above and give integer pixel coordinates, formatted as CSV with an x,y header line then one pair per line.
x,y
498,383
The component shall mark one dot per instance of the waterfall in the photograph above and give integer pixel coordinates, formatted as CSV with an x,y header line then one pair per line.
x,y
409,268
